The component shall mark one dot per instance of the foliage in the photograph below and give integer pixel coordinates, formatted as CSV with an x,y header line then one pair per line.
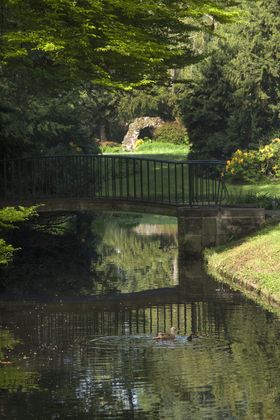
x,y
139,142
6,252
9,216
14,378
171,132
55,258
158,101
60,61
111,149
234,99
45,124
113,43
120,248
254,165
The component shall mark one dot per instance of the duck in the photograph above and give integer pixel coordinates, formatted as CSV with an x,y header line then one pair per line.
x,y
192,336
167,336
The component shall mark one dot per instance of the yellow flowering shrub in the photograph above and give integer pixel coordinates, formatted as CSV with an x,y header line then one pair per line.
x,y
253,165
139,142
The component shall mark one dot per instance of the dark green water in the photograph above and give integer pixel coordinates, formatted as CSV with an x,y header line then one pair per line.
x,y
92,355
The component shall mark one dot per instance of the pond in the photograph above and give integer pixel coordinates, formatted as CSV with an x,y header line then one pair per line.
x,y
86,351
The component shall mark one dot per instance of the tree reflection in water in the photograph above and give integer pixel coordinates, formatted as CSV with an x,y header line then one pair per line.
x,y
96,357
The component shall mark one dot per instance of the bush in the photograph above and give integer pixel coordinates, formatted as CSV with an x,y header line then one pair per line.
x,y
110,147
171,132
139,142
255,165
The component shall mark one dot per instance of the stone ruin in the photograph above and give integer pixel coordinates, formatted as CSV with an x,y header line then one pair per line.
x,y
136,126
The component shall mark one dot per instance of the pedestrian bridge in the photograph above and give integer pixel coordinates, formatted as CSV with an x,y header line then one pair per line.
x,y
192,191
146,180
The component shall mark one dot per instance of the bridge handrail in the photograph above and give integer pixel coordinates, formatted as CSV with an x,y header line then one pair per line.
x,y
192,182
206,162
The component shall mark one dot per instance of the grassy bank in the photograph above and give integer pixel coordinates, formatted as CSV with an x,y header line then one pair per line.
x,y
252,264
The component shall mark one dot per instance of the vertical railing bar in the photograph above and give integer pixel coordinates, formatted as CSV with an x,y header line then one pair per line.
x,y
190,185
207,187
198,183
103,174
107,176
183,183
162,189
134,178
200,179
127,178
148,178
120,177
112,176
81,189
86,158
155,180
176,186
93,177
168,175
141,177
100,186
157,318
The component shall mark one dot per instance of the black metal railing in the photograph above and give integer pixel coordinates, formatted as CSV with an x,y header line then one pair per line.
x,y
193,183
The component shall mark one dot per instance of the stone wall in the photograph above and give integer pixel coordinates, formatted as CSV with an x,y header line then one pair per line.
x,y
136,126
203,228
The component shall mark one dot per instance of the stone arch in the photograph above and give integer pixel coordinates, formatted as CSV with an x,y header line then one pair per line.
x,y
136,126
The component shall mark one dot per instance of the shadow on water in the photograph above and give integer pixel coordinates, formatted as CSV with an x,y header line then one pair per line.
x,y
91,354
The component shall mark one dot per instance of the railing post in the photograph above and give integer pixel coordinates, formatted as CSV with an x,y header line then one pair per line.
x,y
191,192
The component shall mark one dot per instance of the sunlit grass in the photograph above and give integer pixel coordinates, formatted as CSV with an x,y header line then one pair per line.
x,y
266,195
254,262
167,149
272,189
154,149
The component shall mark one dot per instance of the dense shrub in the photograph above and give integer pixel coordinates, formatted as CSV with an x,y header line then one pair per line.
x,y
255,165
110,147
171,132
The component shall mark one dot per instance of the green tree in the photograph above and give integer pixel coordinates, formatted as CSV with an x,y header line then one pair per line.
x,y
9,216
109,42
234,101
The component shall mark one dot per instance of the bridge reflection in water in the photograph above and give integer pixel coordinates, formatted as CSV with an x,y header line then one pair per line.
x,y
186,306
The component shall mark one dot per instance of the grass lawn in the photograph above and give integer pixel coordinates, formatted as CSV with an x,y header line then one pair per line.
x,y
266,195
271,189
253,262
167,151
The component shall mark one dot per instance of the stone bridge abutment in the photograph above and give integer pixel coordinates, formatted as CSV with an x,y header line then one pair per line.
x,y
200,228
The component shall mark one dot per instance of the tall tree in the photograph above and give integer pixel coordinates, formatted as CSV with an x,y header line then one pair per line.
x,y
110,42
234,101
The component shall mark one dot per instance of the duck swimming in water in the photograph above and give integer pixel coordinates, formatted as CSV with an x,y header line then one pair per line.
x,y
167,336
192,336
